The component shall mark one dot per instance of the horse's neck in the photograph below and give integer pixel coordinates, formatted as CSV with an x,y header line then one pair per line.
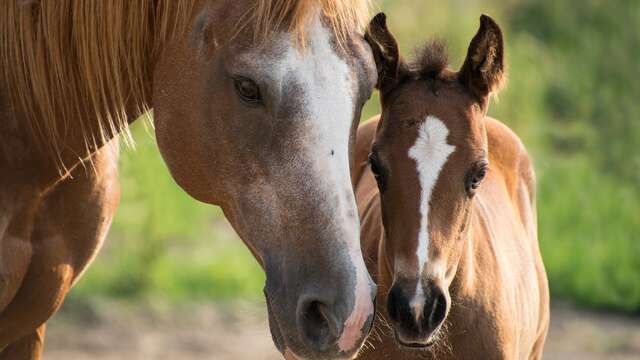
x,y
493,232
21,165
464,281
82,141
85,90
486,262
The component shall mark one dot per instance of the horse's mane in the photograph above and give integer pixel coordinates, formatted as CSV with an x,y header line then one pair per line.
x,y
69,63
343,15
81,63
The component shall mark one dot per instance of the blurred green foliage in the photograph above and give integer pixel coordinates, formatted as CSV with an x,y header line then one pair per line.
x,y
573,96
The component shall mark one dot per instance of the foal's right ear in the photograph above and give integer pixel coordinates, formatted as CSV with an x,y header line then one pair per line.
x,y
483,71
385,53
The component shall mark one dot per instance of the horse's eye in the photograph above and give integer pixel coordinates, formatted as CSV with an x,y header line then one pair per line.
x,y
247,90
475,177
377,170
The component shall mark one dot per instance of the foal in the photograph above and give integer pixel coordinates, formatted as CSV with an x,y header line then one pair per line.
x,y
457,260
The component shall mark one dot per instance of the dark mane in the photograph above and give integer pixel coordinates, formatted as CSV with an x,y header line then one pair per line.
x,y
430,60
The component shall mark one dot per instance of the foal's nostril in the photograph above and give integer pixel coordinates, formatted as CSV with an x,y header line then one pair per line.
x,y
399,310
437,310
409,325
320,328
393,303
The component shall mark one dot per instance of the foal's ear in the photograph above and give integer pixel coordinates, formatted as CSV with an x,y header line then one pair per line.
x,y
385,52
483,70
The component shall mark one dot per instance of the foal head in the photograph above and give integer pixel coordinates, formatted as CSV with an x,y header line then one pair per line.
x,y
264,127
429,157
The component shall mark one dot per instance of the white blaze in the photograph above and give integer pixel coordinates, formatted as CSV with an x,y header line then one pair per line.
x,y
331,95
327,84
430,152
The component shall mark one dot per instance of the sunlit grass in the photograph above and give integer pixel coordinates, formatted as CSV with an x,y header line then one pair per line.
x,y
588,231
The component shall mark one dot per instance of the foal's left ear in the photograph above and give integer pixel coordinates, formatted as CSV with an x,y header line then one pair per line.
x,y
385,53
483,70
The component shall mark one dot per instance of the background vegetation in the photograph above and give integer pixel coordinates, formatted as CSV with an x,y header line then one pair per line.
x,y
573,96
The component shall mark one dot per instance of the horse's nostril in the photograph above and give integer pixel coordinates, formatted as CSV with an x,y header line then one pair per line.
x,y
437,310
319,326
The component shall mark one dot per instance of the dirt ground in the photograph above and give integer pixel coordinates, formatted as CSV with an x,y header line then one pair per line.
x,y
117,331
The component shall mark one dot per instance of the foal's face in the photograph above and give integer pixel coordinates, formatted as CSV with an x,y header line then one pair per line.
x,y
429,158
266,131
429,151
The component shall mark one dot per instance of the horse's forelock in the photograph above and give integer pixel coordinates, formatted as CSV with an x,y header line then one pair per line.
x,y
343,16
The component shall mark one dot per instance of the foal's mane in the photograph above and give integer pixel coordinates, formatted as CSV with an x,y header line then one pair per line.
x,y
431,59
81,63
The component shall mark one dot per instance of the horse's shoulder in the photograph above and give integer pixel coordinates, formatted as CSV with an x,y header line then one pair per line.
x,y
502,138
509,156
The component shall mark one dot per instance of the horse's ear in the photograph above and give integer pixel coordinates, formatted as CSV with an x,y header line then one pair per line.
x,y
385,52
483,71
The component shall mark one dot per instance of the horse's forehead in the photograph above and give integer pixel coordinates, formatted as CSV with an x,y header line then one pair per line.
x,y
319,60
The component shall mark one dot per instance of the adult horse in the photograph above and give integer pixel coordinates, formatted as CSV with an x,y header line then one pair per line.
x,y
448,210
255,106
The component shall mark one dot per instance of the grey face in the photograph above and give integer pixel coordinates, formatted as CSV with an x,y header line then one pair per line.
x,y
266,132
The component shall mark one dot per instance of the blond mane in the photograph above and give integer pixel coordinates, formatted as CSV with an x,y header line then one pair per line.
x,y
343,16
84,63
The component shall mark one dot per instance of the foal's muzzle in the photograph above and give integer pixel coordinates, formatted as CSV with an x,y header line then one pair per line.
x,y
416,323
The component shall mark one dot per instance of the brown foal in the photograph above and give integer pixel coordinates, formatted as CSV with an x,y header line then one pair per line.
x,y
446,197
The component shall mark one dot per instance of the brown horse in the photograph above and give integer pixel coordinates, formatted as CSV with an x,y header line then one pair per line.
x,y
448,210
256,105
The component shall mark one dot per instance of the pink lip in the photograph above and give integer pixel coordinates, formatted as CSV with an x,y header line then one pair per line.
x,y
352,332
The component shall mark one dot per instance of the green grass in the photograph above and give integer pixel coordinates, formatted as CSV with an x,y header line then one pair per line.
x,y
588,232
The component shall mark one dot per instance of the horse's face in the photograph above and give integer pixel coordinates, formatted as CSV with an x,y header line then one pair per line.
x,y
265,130
429,157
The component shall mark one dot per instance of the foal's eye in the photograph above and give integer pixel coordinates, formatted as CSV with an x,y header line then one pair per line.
x,y
475,177
247,90
376,170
